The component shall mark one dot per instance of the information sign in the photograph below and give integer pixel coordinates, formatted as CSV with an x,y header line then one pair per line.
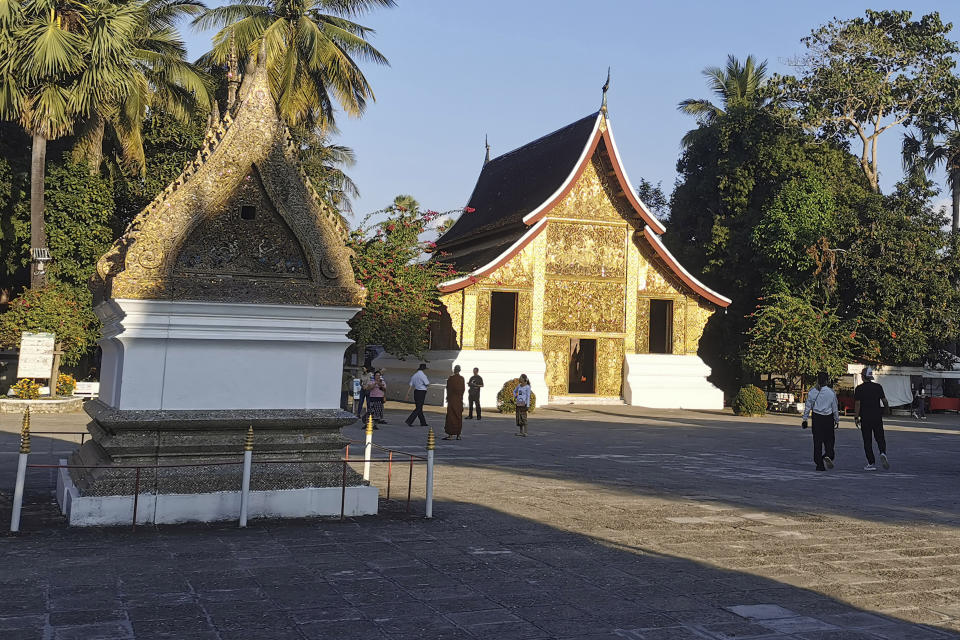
x,y
36,355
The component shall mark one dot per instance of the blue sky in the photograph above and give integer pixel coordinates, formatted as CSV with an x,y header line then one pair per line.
x,y
516,70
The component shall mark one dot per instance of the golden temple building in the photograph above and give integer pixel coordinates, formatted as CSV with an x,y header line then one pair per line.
x,y
565,278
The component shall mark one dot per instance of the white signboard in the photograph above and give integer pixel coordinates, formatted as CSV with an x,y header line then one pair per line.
x,y
36,355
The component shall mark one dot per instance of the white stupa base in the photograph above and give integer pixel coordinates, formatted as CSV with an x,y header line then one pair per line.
x,y
173,355
496,367
101,511
662,381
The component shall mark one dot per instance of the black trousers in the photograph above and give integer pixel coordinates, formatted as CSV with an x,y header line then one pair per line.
x,y
418,398
823,438
473,400
869,431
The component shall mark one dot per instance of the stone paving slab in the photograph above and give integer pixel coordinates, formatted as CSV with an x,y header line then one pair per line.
x,y
611,522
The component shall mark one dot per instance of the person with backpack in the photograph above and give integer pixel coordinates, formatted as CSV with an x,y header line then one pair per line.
x,y
822,406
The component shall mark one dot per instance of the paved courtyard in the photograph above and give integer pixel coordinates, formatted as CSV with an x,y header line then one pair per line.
x,y
607,522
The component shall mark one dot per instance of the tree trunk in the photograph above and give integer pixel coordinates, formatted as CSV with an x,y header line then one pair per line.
x,y
38,236
956,208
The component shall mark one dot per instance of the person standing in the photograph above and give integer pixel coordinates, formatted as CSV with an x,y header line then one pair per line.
x,y
919,399
454,422
475,383
365,378
418,384
376,395
868,414
822,403
521,398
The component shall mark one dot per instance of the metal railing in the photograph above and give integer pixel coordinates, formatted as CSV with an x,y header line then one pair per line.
x,y
247,464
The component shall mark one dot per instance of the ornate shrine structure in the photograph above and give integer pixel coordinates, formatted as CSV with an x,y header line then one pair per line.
x,y
224,306
565,278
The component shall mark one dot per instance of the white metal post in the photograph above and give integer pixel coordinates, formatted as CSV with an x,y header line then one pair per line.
x,y
245,488
368,449
430,445
21,472
18,494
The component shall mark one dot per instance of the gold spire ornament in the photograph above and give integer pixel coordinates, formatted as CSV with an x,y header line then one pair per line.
x,y
486,143
248,442
431,440
25,432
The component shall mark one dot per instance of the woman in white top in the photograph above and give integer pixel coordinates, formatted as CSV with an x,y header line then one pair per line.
x,y
521,398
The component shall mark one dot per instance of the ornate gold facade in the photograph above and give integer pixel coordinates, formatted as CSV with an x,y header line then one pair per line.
x,y
588,274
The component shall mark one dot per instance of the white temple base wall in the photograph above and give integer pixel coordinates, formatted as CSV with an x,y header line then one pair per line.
x,y
496,367
100,511
168,355
663,381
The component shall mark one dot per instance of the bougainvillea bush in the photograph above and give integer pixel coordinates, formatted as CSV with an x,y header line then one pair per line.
x,y
392,261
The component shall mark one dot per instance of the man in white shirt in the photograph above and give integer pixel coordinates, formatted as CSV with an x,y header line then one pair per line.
x,y
418,383
822,403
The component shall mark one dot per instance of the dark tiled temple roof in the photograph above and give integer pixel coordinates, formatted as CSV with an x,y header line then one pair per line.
x,y
514,184
466,259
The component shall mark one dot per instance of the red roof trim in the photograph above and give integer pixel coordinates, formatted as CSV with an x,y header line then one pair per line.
x,y
668,259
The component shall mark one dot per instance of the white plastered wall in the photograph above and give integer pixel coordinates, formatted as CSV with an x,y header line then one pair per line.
x,y
663,381
209,355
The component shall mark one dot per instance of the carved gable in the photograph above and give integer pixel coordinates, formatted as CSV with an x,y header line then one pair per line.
x,y
243,237
241,224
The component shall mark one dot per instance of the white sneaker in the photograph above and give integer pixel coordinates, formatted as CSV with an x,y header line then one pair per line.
x,y
870,467
884,461
828,462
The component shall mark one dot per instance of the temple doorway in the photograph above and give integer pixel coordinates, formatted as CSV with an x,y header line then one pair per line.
x,y
503,320
583,366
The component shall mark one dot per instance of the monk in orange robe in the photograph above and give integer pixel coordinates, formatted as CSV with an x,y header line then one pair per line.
x,y
455,388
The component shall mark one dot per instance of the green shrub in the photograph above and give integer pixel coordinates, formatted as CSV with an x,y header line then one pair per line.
x,y
505,397
55,309
750,401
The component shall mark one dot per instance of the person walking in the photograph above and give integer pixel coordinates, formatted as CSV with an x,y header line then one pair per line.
x,y
822,403
521,398
418,384
453,425
868,415
475,383
376,396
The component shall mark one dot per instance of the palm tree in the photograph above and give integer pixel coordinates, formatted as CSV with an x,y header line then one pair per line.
x,y
160,79
735,84
934,145
312,49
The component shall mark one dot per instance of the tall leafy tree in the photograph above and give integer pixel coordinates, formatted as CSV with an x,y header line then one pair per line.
x,y
160,80
861,77
936,145
735,84
312,48
58,60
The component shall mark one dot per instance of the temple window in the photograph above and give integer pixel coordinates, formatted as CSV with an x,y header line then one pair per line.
x,y
661,326
248,212
503,320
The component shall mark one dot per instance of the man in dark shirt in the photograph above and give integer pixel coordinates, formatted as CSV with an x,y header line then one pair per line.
x,y
868,415
473,395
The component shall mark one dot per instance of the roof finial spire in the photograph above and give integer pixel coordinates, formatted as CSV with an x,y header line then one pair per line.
x,y
486,143
606,86
233,73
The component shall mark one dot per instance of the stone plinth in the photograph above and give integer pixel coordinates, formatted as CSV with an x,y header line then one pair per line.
x,y
665,381
293,449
